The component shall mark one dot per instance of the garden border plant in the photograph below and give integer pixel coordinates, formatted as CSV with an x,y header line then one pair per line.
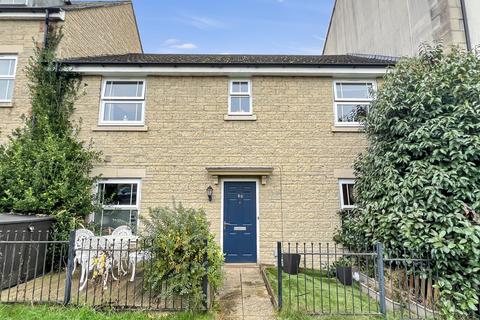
x,y
418,183
183,253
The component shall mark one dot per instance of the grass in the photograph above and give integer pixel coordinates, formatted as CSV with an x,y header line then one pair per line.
x,y
300,316
313,292
45,312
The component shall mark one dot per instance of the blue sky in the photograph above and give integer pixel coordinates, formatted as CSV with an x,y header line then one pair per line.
x,y
233,26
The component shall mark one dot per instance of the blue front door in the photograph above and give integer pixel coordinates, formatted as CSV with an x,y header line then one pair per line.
x,y
240,222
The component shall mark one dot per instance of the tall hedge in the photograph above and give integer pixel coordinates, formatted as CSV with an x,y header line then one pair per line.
x,y
418,183
45,167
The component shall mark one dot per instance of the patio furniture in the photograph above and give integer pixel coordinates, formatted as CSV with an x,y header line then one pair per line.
x,y
136,257
103,253
81,236
91,249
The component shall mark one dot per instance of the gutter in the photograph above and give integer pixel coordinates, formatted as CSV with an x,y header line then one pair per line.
x,y
135,70
9,13
465,25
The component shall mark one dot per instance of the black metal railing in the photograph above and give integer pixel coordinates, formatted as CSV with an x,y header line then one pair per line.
x,y
324,279
99,272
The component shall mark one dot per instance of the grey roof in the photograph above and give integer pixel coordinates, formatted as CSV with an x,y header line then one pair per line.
x,y
79,5
235,59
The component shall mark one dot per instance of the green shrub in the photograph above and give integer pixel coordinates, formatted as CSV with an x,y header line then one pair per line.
x,y
180,239
418,185
45,167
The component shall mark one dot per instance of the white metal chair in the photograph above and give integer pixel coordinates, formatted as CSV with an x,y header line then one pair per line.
x,y
121,239
81,237
137,257
122,231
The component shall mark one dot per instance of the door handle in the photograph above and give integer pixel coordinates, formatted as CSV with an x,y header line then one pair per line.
x,y
225,224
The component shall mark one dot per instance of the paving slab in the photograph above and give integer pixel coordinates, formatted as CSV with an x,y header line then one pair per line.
x,y
244,295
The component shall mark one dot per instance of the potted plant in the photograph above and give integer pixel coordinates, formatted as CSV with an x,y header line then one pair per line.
x,y
291,263
343,270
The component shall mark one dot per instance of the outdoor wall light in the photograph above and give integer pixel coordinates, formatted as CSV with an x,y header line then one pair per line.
x,y
210,193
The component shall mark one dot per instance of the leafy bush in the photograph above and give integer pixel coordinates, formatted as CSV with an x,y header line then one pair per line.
x,y
180,239
418,183
45,168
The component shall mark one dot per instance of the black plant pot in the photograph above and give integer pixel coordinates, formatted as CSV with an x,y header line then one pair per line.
x,y
344,275
291,263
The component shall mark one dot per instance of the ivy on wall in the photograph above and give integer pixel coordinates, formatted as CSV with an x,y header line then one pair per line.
x,y
45,167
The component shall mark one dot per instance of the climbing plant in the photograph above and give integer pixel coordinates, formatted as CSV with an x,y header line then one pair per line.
x,y
418,183
45,167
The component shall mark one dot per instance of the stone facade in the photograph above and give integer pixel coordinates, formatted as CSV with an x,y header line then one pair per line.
x,y
186,132
100,31
81,37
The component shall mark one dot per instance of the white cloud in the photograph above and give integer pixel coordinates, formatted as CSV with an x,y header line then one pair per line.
x,y
187,46
177,44
203,23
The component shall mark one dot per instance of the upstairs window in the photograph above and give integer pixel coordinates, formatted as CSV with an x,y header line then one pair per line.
x,y
123,102
119,200
8,66
352,100
240,100
347,201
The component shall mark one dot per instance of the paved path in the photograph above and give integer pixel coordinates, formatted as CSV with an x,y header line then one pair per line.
x,y
244,295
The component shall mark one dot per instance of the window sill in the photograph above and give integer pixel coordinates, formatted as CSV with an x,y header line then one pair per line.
x,y
229,117
6,104
348,129
121,128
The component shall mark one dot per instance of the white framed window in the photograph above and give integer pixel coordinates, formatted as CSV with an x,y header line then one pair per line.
x,y
119,201
352,100
347,201
123,102
240,97
8,65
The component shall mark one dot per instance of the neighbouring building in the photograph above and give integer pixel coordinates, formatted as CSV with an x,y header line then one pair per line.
x,y
273,138
89,28
399,27
264,143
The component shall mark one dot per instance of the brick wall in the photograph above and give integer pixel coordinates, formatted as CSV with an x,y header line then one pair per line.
x,y
187,132
17,38
108,30
100,31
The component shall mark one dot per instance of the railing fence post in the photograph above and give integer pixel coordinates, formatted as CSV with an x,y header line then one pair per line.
x,y
205,278
381,280
279,272
68,280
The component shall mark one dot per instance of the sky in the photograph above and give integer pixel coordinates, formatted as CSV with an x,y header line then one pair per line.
x,y
233,26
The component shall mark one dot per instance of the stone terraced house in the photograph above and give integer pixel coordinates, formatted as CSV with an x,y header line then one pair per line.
x,y
89,28
264,143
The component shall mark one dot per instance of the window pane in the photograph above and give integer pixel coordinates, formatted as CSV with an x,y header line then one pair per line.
x,y
240,104
245,104
240,87
107,220
351,112
354,90
124,89
118,194
347,190
122,112
7,67
6,89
